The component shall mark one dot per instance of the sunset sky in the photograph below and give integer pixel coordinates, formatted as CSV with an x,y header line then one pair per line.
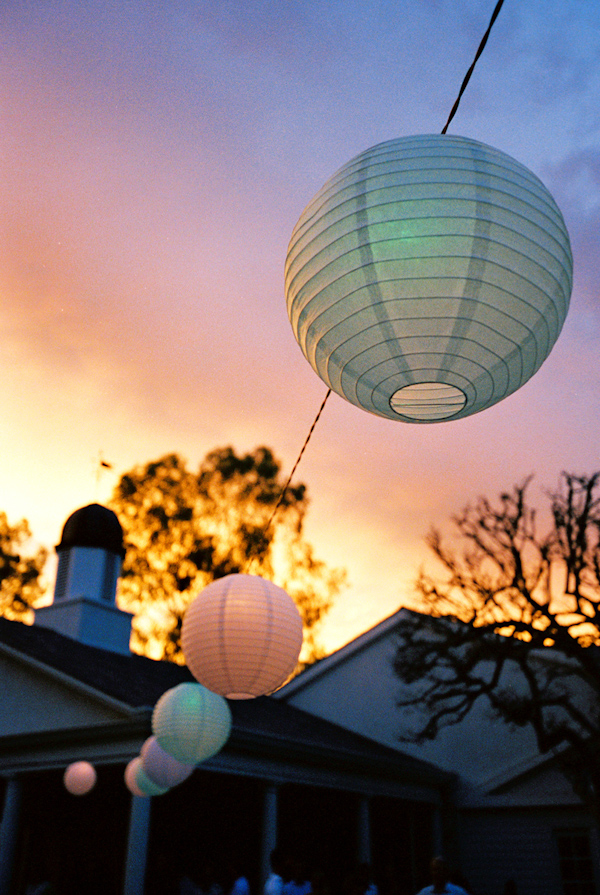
x,y
155,158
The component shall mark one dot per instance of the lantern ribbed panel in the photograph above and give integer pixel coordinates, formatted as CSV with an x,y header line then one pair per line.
x,y
429,278
162,768
191,723
79,778
241,636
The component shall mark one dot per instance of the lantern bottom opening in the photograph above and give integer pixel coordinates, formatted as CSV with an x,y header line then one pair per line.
x,y
428,401
240,695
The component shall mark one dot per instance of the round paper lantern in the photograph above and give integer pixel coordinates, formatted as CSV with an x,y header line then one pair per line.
x,y
191,723
162,768
429,278
145,784
138,781
129,776
79,778
241,636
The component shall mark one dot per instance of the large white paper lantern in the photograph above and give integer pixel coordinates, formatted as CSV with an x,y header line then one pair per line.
x,y
162,768
191,723
241,636
429,278
79,778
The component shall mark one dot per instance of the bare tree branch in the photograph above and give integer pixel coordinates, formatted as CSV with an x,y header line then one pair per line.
x,y
514,618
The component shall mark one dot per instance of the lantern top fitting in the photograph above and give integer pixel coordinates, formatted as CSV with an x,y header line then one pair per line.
x,y
429,278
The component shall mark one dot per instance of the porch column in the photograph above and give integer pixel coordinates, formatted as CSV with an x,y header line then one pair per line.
x,y
269,831
438,831
364,831
9,830
137,846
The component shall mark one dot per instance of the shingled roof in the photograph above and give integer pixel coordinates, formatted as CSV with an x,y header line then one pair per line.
x,y
258,724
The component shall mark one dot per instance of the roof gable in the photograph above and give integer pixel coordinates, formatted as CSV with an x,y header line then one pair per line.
x,y
34,700
91,687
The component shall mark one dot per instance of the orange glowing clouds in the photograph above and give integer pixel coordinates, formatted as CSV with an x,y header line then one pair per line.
x,y
154,162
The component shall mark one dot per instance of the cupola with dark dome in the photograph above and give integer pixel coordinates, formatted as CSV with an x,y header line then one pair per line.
x,y
90,554
93,526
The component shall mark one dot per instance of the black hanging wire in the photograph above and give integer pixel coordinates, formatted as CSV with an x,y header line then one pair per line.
x,y
467,77
291,475
463,87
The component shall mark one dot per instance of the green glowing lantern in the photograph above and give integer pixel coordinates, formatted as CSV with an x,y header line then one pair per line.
x,y
429,278
190,723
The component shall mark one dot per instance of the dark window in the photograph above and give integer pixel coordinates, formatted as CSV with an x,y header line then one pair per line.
x,y
576,867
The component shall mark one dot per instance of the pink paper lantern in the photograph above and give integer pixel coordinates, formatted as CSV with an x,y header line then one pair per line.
x,y
241,636
162,768
79,778
190,723
130,780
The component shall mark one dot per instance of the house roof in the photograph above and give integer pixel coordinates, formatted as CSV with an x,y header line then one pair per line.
x,y
344,654
259,725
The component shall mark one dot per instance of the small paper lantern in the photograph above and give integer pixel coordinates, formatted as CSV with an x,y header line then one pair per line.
x,y
138,781
241,636
162,768
190,723
129,776
429,278
79,778
145,784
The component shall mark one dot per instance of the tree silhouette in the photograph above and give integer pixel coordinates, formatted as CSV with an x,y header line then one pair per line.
x,y
20,570
514,619
183,529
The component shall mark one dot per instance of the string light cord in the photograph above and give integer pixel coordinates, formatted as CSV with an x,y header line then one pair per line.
x,y
463,87
467,77
291,475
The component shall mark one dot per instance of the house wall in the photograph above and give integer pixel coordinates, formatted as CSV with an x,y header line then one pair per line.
x,y
520,844
512,802
361,693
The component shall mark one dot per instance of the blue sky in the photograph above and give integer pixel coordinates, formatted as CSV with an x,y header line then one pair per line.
x,y
155,159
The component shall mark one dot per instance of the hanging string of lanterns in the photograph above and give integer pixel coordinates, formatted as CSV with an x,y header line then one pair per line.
x,y
190,724
427,280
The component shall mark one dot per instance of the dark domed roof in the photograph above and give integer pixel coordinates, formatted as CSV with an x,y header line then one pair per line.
x,y
93,526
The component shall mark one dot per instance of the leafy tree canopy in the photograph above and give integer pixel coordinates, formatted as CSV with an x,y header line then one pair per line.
x,y
20,570
514,619
183,529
